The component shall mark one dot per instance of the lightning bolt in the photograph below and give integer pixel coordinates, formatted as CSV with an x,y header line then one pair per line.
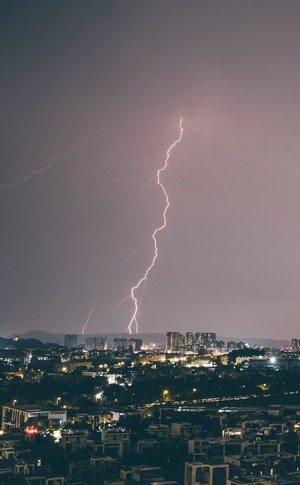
x,y
142,281
45,168
91,311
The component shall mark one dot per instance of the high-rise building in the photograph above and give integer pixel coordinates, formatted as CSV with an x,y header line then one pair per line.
x,y
70,341
189,341
124,345
120,344
90,343
204,340
295,343
96,343
231,345
138,343
175,342
101,343
181,343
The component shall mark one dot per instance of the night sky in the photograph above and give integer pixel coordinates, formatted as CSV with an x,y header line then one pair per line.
x,y
91,98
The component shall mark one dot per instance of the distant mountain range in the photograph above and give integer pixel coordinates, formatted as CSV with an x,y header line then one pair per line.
x,y
158,339
46,337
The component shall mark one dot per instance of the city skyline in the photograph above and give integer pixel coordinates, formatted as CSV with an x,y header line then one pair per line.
x,y
91,102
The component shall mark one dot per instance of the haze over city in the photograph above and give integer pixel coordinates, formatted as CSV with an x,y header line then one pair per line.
x,y
92,97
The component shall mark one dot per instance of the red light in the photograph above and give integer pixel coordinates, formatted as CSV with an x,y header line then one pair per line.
x,y
31,430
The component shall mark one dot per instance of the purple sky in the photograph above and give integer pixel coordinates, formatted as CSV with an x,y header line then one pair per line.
x,y
76,237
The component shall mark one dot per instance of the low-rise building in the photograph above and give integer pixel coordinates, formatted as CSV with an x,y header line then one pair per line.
x,y
206,473
15,417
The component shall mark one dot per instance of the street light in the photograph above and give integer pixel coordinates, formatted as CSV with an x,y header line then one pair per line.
x,y
57,401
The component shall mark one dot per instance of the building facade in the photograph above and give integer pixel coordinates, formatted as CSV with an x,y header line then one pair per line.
x,y
70,341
